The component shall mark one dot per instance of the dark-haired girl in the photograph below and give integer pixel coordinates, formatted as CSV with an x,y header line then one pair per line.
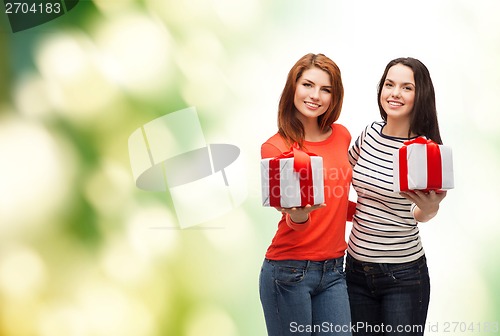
x,y
387,275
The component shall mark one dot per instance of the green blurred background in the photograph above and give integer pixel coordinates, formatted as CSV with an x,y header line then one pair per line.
x,y
85,252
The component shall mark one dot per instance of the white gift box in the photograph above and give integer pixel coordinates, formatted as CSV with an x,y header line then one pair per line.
x,y
283,186
423,165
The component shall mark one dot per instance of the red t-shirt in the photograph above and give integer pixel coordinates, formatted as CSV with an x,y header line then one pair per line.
x,y
322,237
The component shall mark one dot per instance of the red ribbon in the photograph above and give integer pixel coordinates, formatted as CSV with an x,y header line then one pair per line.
x,y
301,165
434,165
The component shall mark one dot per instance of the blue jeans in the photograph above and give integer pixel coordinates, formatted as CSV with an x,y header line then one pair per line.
x,y
301,297
388,299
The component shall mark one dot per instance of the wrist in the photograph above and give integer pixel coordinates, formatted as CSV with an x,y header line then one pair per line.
x,y
297,226
424,216
299,219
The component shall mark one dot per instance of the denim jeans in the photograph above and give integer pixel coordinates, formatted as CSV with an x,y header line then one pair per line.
x,y
388,299
301,297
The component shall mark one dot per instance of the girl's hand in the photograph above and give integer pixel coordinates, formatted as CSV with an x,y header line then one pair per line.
x,y
427,203
300,215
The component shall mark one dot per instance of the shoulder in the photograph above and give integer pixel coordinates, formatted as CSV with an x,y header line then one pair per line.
x,y
340,132
376,126
341,129
277,141
273,146
369,130
373,128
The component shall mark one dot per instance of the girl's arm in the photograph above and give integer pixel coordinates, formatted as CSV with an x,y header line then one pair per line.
x,y
298,218
353,155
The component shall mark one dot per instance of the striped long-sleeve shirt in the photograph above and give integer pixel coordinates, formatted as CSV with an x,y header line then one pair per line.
x,y
384,228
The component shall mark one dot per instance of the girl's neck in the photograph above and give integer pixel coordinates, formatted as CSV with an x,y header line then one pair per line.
x,y
312,131
397,129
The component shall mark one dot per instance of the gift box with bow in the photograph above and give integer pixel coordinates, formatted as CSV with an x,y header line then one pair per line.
x,y
292,179
422,164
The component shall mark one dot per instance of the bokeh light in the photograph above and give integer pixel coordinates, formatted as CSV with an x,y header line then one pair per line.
x,y
35,164
135,53
69,65
209,321
22,273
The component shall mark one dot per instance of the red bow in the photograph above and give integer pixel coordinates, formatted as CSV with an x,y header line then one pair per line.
x,y
420,140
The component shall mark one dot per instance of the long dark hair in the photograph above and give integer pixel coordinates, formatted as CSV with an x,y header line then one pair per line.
x,y
289,126
423,119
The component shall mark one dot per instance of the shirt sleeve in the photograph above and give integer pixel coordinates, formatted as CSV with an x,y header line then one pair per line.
x,y
355,149
351,209
297,226
354,152
412,209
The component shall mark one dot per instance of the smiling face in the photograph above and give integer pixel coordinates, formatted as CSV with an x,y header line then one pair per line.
x,y
313,93
397,96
